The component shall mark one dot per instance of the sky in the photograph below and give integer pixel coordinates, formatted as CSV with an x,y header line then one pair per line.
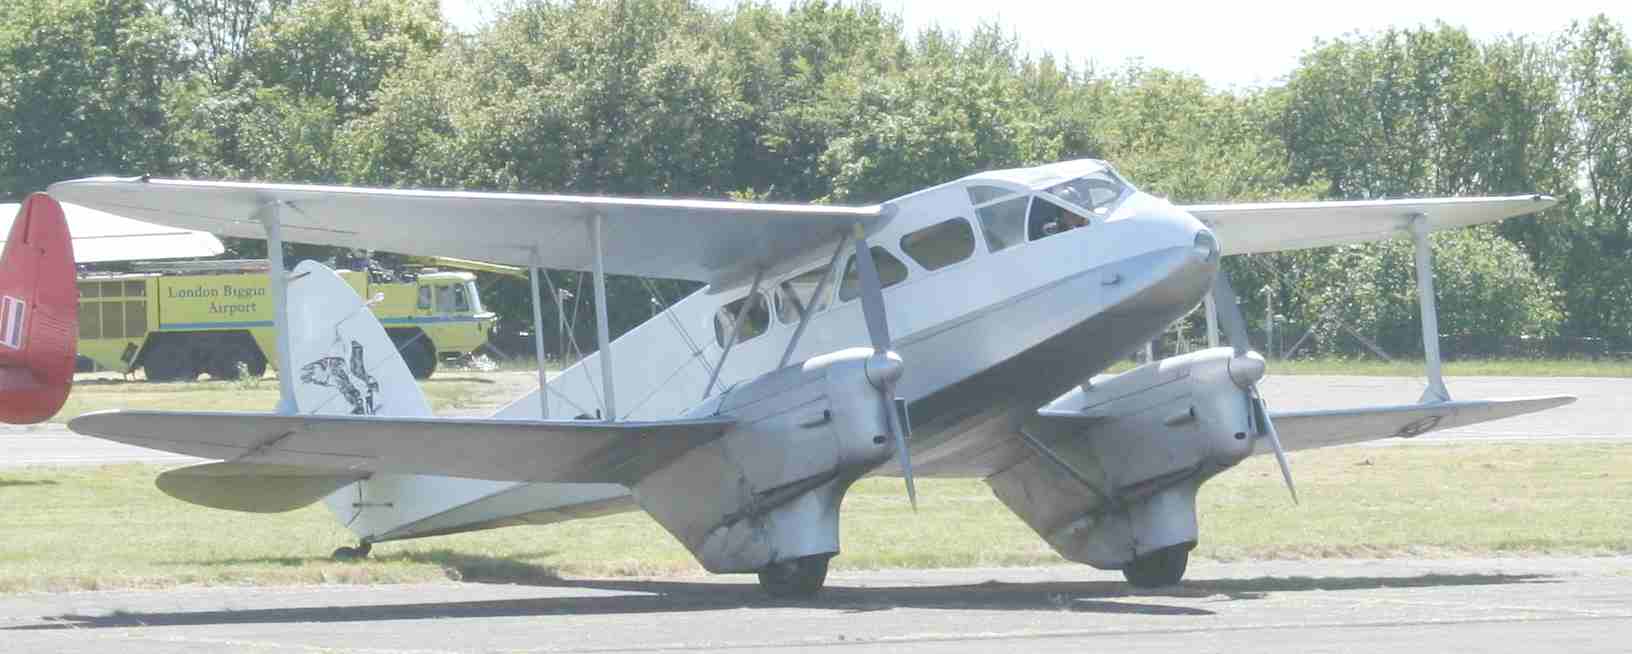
x,y
1230,44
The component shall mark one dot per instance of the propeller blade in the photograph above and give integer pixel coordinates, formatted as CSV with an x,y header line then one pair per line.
x,y
1275,443
1229,313
872,294
901,451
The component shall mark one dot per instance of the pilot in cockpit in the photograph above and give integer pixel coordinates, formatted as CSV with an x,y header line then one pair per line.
x,y
1049,218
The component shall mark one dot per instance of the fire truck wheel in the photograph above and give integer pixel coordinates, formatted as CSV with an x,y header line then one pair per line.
x,y
168,362
420,357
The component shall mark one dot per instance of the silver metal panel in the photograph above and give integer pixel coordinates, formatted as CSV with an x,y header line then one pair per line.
x,y
501,450
1307,430
252,487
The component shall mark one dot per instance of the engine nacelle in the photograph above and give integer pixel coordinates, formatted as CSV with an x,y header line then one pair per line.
x,y
770,489
1118,461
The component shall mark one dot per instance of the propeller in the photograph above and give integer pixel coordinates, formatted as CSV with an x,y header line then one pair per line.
x,y
1235,328
885,366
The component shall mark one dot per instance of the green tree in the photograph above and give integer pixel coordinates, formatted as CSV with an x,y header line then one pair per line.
x,y
81,90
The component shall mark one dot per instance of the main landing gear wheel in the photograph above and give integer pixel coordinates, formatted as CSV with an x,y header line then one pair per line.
x,y
1163,567
357,553
796,578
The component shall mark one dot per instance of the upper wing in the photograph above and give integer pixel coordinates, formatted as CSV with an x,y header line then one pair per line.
x,y
100,236
499,450
708,241
1277,226
1307,430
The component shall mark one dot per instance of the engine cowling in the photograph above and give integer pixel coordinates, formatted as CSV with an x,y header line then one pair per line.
x,y
770,490
1118,461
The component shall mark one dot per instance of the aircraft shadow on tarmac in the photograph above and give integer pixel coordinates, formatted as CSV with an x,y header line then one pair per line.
x,y
657,596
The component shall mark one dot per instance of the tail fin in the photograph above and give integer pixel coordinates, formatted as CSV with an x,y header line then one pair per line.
x,y
39,313
344,364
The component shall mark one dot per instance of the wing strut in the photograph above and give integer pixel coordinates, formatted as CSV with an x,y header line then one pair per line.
x,y
736,331
279,278
601,329
804,311
538,339
1212,319
1436,391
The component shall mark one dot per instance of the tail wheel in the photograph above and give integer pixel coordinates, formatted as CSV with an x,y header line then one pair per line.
x,y
1163,567
168,361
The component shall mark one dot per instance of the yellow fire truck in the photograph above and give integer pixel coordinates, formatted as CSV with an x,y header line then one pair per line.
x,y
177,323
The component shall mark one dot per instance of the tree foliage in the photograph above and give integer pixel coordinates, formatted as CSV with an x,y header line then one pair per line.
x,y
827,101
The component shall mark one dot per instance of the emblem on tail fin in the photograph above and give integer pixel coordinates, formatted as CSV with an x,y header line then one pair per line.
x,y
350,378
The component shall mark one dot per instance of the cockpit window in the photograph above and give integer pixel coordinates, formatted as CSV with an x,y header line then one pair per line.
x,y
1048,217
1077,203
1098,193
981,194
1003,221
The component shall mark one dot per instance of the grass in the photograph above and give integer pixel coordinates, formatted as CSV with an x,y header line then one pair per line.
x,y
1472,368
98,528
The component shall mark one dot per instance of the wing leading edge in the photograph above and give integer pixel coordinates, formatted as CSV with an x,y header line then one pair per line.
x,y
499,450
1278,226
700,240
1307,430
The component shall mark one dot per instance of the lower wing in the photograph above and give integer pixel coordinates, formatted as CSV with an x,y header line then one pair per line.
x,y
499,450
1307,430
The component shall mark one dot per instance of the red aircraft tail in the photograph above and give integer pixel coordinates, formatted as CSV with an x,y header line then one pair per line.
x,y
39,311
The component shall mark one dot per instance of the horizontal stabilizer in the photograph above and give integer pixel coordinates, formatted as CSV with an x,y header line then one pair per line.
x,y
1307,430
253,487
499,450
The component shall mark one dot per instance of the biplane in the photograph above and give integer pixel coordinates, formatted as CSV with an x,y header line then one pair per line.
x,y
958,331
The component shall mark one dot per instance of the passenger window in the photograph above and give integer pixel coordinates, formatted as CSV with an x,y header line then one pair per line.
x,y
797,292
444,298
940,245
425,298
890,272
1004,222
461,302
754,324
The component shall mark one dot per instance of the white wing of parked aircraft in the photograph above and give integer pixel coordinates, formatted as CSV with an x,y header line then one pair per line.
x,y
1278,226
701,240
100,236
749,409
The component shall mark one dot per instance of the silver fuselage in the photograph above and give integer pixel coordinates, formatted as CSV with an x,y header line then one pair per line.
x,y
986,342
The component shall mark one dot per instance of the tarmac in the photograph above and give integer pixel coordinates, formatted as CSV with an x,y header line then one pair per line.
x,y
1484,605
1396,605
